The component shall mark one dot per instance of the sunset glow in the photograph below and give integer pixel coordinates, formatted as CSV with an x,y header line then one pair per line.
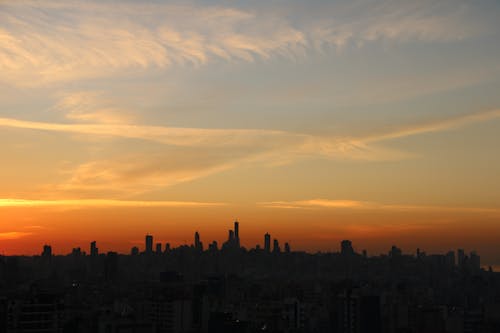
x,y
313,121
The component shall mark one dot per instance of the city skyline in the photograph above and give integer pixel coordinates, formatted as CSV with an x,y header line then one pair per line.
x,y
373,121
269,245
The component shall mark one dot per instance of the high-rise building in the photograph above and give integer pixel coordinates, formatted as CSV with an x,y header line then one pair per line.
x,y
395,252
346,247
267,242
76,252
197,243
94,251
237,233
149,244
134,251
213,246
47,251
276,246
358,313
158,248
461,258
475,261
287,247
450,259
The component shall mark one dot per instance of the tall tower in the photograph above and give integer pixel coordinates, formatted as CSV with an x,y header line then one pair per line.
x,y
47,251
267,242
287,248
346,247
94,251
149,244
276,246
197,244
461,258
237,233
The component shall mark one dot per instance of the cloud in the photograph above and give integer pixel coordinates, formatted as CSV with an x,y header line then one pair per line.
x,y
368,205
54,41
177,136
438,126
140,172
82,203
91,106
13,235
186,154
204,137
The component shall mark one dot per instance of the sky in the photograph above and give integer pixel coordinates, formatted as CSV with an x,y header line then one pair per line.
x,y
315,121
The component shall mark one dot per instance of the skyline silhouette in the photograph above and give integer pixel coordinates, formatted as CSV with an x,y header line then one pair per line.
x,y
356,142
375,121
233,243
228,288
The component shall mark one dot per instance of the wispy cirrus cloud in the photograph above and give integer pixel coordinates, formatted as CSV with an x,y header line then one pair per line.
x,y
369,205
206,137
186,154
82,203
92,106
55,41
13,235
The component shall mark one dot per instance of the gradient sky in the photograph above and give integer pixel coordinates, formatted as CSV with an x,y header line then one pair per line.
x,y
377,121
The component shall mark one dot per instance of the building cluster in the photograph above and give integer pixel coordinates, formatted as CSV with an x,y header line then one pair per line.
x,y
232,289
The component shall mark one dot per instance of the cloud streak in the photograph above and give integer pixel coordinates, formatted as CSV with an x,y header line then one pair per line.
x,y
58,41
186,154
204,137
368,205
13,235
82,203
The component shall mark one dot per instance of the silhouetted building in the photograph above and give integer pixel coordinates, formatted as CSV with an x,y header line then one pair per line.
x,y
359,313
287,247
149,244
47,251
94,251
346,247
395,252
461,258
450,259
198,245
158,248
267,242
276,246
213,246
475,261
134,251
76,252
237,233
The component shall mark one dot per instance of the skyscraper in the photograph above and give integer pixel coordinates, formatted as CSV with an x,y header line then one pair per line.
x,y
197,244
276,246
346,247
47,251
158,248
237,233
461,258
267,242
149,244
287,247
94,251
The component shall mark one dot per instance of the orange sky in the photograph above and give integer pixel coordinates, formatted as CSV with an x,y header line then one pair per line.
x,y
314,123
